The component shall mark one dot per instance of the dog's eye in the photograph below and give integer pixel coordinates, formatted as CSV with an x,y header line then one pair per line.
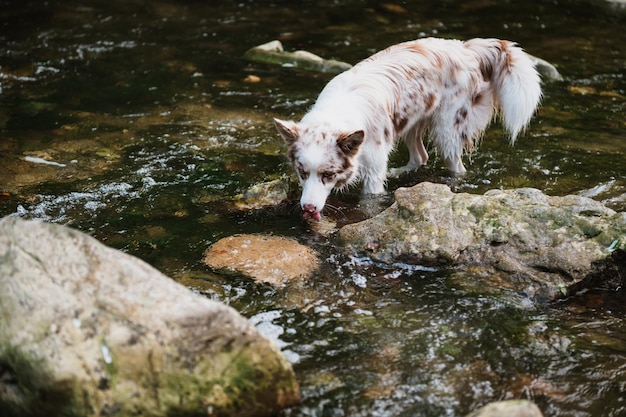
x,y
328,176
303,173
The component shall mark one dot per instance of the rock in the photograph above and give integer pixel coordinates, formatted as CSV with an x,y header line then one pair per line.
x,y
271,259
546,69
274,53
87,330
265,194
549,243
511,408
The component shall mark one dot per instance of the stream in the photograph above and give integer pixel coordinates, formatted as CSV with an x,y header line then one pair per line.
x,y
138,122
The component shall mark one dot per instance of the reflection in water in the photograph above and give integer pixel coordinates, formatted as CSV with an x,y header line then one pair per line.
x,y
148,124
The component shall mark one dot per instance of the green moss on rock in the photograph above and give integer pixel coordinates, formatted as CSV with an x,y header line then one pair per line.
x,y
27,388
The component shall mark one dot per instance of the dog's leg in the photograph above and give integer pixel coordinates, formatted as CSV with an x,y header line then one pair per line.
x,y
374,183
374,169
417,152
456,166
450,146
456,128
452,152
470,121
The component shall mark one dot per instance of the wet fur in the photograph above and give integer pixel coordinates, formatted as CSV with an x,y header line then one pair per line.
x,y
449,89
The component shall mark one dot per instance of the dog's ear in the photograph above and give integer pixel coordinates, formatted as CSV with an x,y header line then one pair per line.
x,y
349,143
288,130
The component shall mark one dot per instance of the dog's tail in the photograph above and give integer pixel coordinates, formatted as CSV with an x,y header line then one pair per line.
x,y
514,79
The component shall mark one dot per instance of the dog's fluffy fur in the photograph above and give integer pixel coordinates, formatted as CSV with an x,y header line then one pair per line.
x,y
446,88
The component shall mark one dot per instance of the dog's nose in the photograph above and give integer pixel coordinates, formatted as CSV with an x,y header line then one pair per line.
x,y
309,208
310,212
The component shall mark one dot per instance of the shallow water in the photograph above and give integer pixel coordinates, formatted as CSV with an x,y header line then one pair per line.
x,y
136,123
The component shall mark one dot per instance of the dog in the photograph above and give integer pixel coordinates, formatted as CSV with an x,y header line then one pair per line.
x,y
448,89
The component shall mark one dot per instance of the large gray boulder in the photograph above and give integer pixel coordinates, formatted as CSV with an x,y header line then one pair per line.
x,y
547,244
86,330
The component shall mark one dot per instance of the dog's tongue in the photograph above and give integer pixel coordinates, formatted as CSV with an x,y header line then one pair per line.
x,y
315,216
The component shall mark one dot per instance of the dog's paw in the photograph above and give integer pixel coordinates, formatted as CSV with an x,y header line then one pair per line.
x,y
396,172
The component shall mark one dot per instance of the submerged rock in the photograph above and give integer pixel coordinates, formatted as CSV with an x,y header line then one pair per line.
x,y
274,53
264,194
549,244
511,408
271,259
86,330
546,69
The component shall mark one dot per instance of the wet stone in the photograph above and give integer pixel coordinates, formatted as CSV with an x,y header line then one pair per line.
x,y
271,259
274,53
550,245
512,408
87,329
265,194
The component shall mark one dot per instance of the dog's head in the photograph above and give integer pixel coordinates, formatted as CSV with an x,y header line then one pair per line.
x,y
323,159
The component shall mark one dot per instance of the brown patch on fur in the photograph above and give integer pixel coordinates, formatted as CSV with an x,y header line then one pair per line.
x,y
452,72
407,72
344,179
477,98
439,62
486,69
399,123
386,133
508,59
460,118
416,47
429,102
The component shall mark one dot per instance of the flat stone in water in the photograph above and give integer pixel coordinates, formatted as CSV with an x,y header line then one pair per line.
x,y
511,408
271,259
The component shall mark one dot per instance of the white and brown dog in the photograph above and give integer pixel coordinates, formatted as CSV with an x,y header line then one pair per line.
x,y
447,88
